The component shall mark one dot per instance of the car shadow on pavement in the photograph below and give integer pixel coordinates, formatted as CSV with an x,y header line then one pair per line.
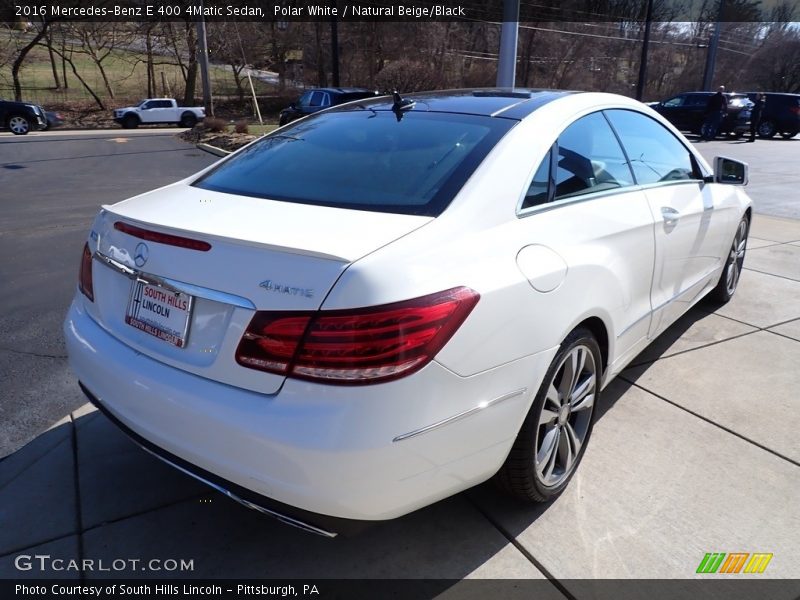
x,y
83,490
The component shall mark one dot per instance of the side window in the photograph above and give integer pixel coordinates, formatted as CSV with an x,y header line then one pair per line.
x,y
316,99
540,185
151,104
655,154
697,100
163,104
674,102
590,159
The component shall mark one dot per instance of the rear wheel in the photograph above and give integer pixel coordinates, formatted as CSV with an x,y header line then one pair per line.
x,y
554,435
729,279
767,129
787,135
18,125
188,120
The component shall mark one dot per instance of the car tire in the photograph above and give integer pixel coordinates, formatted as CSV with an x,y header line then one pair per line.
x,y
130,121
188,120
767,129
554,435
732,271
282,121
787,135
18,125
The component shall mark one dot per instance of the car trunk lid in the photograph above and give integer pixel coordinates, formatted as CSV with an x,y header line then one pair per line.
x,y
179,272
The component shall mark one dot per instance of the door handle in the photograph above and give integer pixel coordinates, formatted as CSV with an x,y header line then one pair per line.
x,y
670,215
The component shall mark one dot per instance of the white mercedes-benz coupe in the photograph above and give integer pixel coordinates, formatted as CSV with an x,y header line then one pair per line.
x,y
390,301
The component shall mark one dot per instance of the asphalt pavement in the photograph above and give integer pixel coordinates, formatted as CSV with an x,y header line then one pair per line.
x,y
51,187
694,451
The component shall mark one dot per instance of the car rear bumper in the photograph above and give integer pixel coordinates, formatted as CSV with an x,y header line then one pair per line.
x,y
354,453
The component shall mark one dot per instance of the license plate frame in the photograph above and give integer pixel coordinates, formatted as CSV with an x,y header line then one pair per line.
x,y
165,327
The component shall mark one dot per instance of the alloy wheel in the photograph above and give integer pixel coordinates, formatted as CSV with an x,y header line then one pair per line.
x,y
733,268
566,416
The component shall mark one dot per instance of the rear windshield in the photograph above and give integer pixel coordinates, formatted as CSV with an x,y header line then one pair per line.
x,y
363,159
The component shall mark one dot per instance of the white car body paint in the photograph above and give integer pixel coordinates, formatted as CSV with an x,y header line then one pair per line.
x,y
328,449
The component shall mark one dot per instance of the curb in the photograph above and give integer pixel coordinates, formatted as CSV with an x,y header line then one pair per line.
x,y
213,150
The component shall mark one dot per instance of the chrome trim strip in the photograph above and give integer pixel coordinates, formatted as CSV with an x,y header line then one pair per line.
x,y
179,286
280,517
459,416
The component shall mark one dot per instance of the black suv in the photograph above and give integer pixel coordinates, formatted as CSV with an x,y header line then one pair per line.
x,y
318,98
21,117
687,111
781,115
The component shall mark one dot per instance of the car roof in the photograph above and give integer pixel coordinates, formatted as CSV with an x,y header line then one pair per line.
x,y
516,103
340,90
780,94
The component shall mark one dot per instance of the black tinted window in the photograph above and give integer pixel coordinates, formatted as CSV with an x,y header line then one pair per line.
x,y
590,159
304,99
363,159
538,190
655,154
316,99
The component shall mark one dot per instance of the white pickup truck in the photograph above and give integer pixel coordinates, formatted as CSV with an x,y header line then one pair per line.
x,y
158,110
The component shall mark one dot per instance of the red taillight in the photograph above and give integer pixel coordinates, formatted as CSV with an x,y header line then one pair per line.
x,y
357,346
162,238
85,275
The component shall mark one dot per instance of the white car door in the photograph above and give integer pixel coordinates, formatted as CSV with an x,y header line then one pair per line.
x,y
689,227
585,208
158,111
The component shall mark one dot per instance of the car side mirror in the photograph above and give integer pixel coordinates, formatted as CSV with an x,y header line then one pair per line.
x,y
730,171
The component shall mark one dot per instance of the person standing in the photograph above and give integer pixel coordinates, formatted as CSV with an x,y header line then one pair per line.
x,y
755,115
716,110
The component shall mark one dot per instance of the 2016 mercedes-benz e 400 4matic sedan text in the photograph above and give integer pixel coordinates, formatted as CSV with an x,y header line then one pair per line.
x,y
395,299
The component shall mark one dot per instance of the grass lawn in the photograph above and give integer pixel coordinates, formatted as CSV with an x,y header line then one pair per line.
x,y
126,71
261,129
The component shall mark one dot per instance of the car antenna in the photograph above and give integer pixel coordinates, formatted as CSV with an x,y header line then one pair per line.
x,y
401,104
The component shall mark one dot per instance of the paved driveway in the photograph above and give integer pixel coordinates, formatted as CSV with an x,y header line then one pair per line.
x,y
695,450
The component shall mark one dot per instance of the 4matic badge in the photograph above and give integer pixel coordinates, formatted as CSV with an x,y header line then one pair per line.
x,y
280,288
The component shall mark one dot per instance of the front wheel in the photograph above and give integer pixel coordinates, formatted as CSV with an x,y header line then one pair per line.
x,y
554,435
130,122
729,279
18,125
787,135
767,129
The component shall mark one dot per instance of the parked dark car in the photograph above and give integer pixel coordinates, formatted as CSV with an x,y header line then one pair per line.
x,y
687,111
318,98
781,115
54,119
21,117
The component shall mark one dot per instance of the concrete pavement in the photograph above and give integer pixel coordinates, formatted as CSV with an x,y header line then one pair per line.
x,y
694,451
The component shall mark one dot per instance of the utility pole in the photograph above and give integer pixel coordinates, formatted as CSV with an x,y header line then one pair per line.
x,y
507,62
645,43
203,60
711,56
334,46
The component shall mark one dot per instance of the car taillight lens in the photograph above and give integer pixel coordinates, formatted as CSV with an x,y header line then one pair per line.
x,y
355,346
85,275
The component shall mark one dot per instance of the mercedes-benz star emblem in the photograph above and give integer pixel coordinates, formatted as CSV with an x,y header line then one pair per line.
x,y
140,254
